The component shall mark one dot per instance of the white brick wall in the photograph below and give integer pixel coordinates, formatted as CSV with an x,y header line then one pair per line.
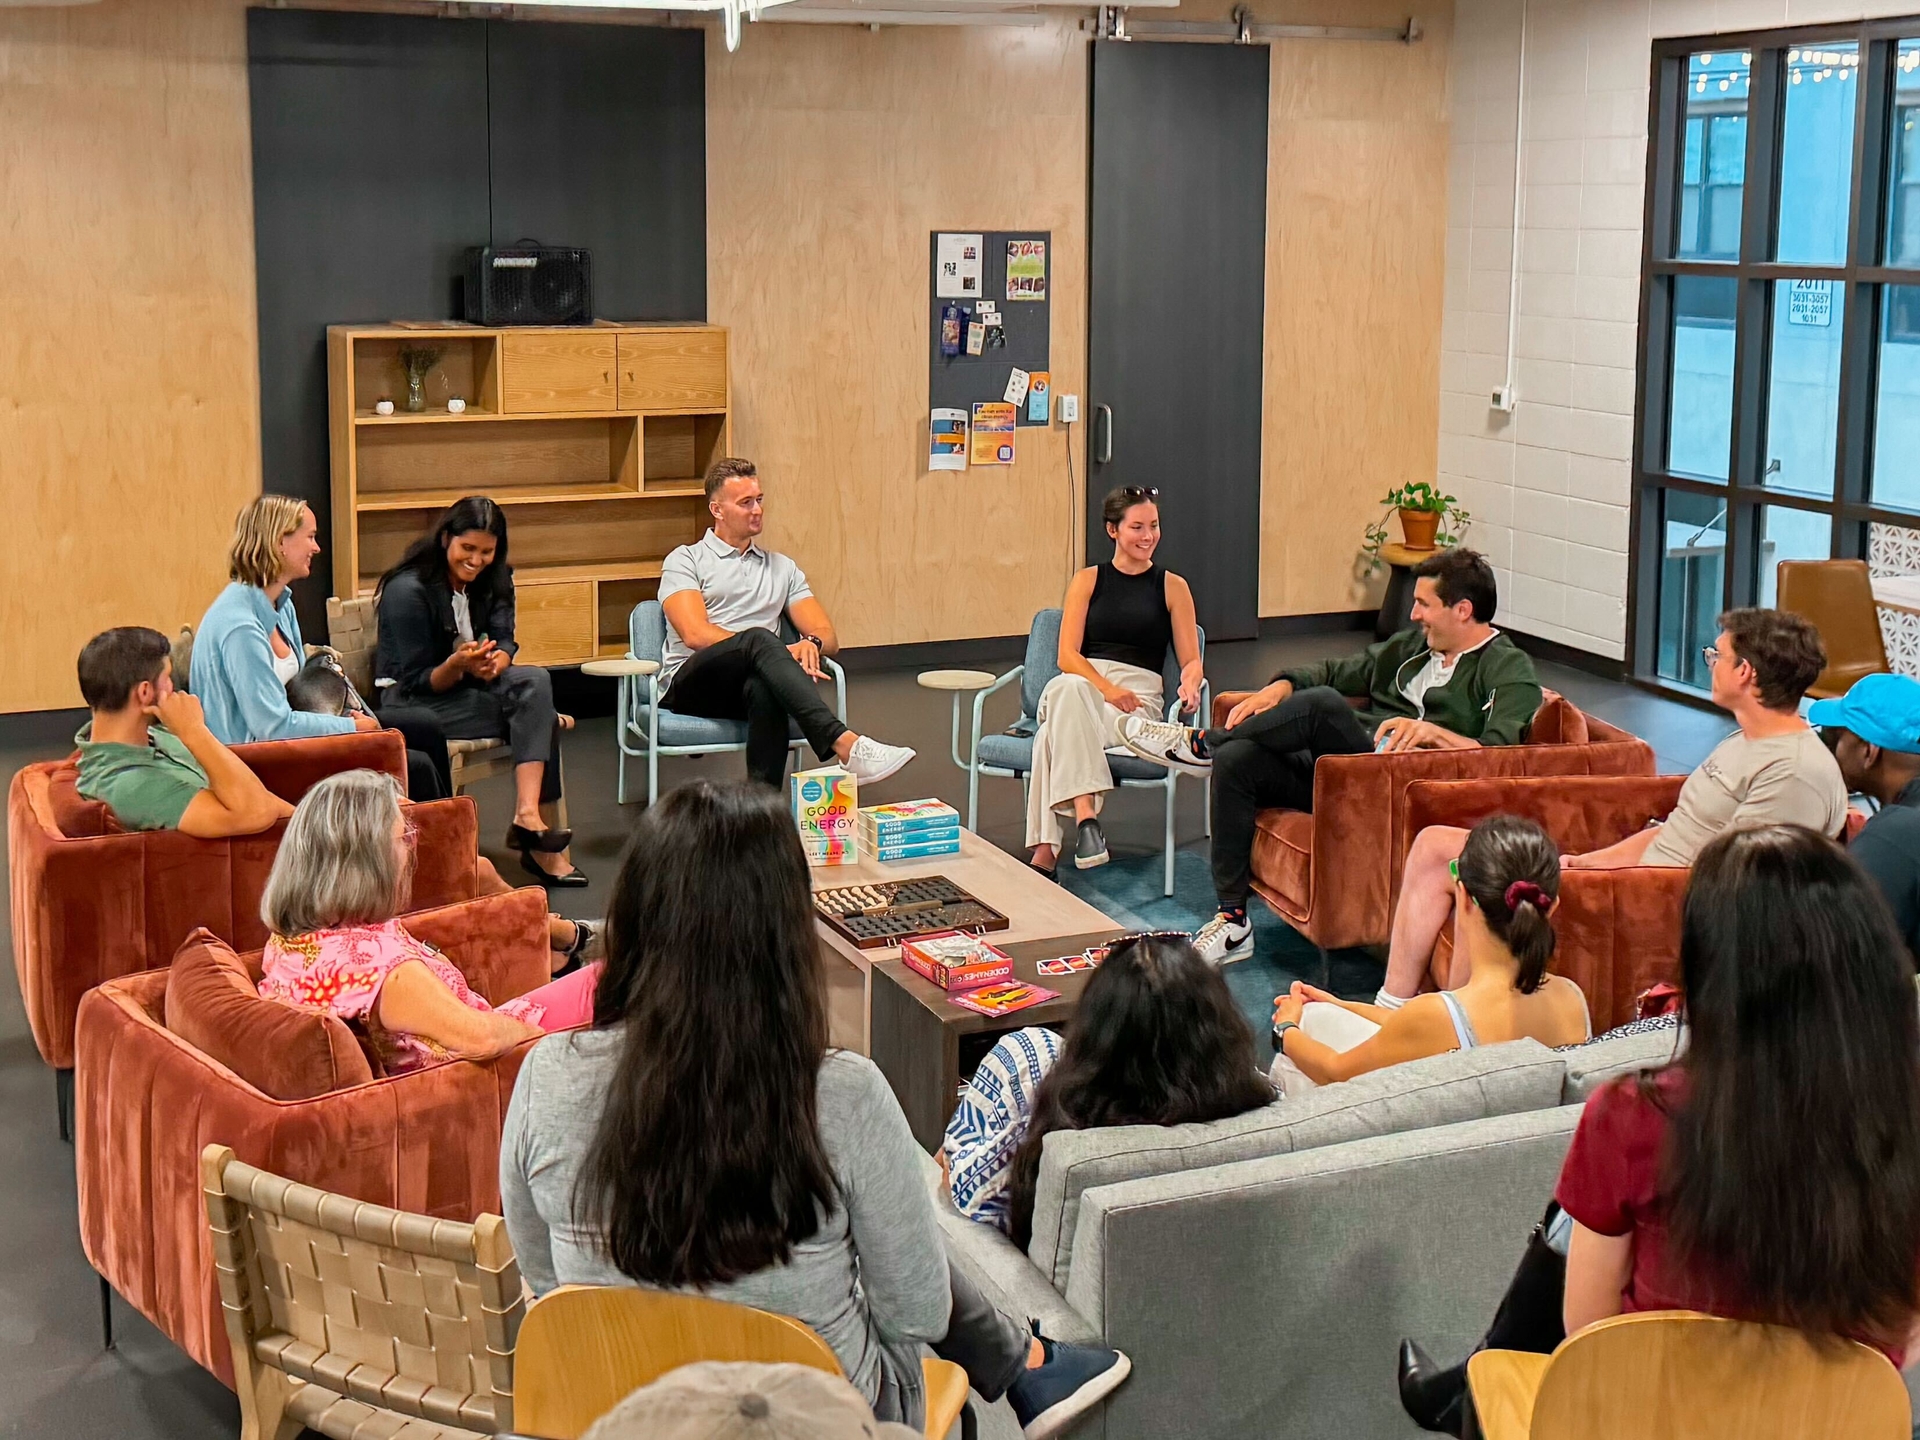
x,y
1549,485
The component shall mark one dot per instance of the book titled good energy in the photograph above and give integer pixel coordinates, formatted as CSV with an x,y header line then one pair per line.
x,y
826,807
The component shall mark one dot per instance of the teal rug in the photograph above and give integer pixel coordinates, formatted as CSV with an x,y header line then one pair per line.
x,y
1129,889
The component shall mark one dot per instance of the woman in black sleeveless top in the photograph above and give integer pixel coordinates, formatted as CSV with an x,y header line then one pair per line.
x,y
1116,625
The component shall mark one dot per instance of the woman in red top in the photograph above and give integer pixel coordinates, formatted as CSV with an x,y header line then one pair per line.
x,y
1773,1172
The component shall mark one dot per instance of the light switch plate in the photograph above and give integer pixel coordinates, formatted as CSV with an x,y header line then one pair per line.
x,y
1069,409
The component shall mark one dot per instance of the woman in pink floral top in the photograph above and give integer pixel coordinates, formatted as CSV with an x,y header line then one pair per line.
x,y
340,876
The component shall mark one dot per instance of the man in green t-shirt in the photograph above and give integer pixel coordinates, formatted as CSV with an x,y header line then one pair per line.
x,y
173,775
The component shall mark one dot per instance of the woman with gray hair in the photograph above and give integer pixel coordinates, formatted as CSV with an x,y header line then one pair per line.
x,y
342,874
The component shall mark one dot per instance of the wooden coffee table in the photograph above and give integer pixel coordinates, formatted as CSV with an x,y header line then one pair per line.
x,y
1038,908
926,1046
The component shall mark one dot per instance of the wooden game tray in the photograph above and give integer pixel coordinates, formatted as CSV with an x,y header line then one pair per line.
x,y
872,917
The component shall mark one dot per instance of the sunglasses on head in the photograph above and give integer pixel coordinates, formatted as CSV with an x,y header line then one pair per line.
x,y
1113,947
1141,492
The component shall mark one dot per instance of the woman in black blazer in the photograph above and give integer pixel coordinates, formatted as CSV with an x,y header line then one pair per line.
x,y
446,644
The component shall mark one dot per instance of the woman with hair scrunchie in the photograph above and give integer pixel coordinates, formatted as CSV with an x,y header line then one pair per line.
x,y
1506,885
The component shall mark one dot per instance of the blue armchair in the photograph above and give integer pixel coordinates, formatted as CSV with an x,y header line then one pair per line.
x,y
654,732
1010,756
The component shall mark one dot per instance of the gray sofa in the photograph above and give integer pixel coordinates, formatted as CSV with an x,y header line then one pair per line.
x,y
1260,1271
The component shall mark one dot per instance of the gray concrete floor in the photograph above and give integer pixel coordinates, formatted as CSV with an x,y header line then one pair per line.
x,y
56,1380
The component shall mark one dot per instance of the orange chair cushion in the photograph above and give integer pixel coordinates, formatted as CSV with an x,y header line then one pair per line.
x,y
283,1052
77,817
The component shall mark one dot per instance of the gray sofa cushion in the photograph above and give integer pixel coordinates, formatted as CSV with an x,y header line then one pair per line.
x,y
1592,1065
1442,1090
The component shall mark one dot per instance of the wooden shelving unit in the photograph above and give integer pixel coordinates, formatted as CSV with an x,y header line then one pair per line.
x,y
593,439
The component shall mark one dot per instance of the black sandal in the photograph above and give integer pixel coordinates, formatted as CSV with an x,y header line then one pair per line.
x,y
583,936
574,879
548,842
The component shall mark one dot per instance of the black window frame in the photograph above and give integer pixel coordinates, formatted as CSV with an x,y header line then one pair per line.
x,y
1862,280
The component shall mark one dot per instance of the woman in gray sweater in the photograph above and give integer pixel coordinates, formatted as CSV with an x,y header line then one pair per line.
x,y
702,1136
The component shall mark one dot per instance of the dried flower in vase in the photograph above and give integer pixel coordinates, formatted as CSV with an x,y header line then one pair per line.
x,y
418,361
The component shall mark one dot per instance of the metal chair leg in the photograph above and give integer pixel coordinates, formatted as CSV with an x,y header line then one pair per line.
x,y
1169,840
63,1102
106,1314
969,1422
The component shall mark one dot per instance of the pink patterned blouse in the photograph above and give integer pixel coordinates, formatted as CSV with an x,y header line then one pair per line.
x,y
341,971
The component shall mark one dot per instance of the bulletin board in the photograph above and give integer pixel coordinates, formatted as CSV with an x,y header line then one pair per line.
x,y
966,380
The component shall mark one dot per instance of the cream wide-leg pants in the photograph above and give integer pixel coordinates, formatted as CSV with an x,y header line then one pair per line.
x,y
1077,727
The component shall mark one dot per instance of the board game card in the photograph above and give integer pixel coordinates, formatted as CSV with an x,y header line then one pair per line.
x,y
1061,965
1002,999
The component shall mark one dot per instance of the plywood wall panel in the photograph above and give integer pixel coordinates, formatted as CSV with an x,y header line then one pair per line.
x,y
1356,256
832,152
129,431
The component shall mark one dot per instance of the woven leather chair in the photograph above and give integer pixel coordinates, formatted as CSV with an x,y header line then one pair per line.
x,y
355,1320
1837,596
1333,873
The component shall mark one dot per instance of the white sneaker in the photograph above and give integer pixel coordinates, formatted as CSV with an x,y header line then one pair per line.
x,y
1222,941
871,761
1164,743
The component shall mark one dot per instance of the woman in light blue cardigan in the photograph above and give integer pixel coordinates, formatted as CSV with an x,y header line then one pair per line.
x,y
248,644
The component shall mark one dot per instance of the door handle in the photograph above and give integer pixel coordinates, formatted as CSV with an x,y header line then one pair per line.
x,y
1104,454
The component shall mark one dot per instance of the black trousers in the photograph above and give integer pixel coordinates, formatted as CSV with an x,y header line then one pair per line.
x,y
429,773
1266,761
517,704
752,677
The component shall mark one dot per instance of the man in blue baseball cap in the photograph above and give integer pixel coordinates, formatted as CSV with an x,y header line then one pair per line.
x,y
1875,732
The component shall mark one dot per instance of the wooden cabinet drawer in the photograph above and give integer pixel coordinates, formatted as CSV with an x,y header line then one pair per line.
x,y
553,622
542,372
674,370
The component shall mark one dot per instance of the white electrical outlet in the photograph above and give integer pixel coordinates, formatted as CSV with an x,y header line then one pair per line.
x,y
1502,398
1069,409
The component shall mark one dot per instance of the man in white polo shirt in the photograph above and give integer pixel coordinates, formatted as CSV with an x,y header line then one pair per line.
x,y
724,599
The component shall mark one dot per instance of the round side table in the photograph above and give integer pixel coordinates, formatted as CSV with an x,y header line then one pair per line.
x,y
959,683
1396,606
620,668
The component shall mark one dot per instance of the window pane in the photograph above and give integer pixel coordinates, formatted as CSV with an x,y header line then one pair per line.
x,y
1700,417
1788,535
1692,568
1816,154
1803,397
1713,170
1896,427
1903,189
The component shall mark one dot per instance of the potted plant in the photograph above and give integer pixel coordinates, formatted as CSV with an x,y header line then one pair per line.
x,y
1428,519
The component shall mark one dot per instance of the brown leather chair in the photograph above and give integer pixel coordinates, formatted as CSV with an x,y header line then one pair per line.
x,y
1333,873
1618,930
427,1141
92,901
1837,596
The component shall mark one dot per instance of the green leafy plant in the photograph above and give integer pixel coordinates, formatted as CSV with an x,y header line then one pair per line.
x,y
1420,496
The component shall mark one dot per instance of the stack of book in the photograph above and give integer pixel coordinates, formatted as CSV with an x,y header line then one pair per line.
x,y
910,830
826,803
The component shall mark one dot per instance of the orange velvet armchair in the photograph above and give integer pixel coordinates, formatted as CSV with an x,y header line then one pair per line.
x,y
1618,930
147,1103
1333,873
91,901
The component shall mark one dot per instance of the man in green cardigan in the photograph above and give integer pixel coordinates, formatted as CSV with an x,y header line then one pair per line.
x,y
1451,682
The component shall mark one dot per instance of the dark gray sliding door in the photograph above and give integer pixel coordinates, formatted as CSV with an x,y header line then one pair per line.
x,y
1177,237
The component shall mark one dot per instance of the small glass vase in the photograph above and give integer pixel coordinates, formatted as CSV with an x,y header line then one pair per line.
x,y
416,390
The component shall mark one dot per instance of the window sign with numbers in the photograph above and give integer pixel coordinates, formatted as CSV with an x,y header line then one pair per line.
x,y
1810,302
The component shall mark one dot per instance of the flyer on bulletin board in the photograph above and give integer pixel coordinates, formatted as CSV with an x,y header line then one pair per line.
x,y
958,262
1026,269
993,433
1039,397
947,442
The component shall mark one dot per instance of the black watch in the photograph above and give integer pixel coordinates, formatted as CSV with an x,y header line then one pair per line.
x,y
816,642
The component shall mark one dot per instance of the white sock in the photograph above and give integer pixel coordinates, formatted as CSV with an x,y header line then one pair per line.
x,y
1389,1002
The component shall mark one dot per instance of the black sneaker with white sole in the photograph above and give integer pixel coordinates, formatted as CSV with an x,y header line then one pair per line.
x,y
1068,1383
1092,847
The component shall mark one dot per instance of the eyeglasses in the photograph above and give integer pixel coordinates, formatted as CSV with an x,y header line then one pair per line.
x,y
1711,654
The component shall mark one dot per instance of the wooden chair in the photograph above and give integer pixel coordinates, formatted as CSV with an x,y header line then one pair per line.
x,y
353,632
1675,1375
584,1348
357,1321
1837,596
